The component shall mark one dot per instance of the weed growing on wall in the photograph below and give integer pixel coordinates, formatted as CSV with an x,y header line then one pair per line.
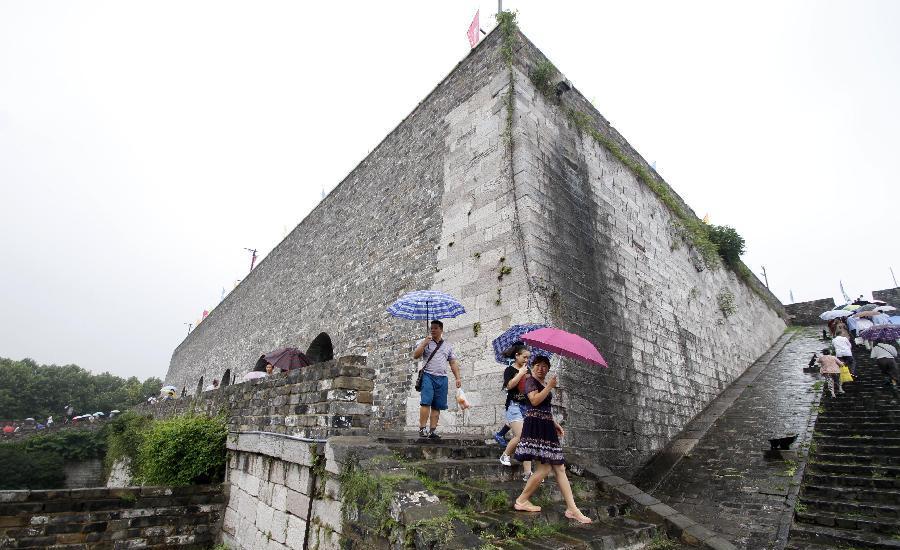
x,y
725,299
542,75
183,450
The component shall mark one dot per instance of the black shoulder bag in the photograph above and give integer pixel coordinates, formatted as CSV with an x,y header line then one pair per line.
x,y
422,370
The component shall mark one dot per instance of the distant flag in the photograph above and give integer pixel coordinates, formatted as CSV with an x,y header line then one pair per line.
x,y
223,294
844,292
792,296
473,33
205,313
706,219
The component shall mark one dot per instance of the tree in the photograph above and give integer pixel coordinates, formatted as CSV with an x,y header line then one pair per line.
x,y
31,390
728,241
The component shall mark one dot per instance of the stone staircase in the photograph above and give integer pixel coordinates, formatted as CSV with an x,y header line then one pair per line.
x,y
469,478
850,494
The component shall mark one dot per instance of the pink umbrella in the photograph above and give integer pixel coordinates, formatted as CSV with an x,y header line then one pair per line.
x,y
565,343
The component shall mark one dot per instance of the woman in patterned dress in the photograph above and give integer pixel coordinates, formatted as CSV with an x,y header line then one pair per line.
x,y
540,443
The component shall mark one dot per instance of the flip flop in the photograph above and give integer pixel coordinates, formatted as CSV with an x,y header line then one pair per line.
x,y
526,507
571,515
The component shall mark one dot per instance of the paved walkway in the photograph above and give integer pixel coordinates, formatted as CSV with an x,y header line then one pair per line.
x,y
720,472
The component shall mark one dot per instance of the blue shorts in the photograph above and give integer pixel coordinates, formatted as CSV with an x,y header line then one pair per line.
x,y
434,392
515,412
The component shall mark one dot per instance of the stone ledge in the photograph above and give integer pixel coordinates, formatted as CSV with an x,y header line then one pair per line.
x,y
676,524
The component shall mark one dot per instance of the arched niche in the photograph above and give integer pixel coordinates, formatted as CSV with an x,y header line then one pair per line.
x,y
320,349
199,386
226,378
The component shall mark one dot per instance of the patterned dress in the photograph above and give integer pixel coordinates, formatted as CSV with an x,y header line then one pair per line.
x,y
539,441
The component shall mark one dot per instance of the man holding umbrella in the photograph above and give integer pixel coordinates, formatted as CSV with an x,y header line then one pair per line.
x,y
437,353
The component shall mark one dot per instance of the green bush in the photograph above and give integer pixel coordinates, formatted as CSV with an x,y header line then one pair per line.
x,y
728,241
183,450
23,469
124,435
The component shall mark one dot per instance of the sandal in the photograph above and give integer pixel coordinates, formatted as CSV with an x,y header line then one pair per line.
x,y
579,517
526,507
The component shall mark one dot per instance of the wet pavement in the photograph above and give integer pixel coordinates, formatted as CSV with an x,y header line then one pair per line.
x,y
720,471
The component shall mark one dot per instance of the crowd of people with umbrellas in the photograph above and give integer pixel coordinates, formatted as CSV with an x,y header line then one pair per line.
x,y
69,418
525,351
870,326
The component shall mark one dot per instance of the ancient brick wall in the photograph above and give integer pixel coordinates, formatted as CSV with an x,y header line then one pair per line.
x,y
330,398
375,237
807,313
132,517
609,265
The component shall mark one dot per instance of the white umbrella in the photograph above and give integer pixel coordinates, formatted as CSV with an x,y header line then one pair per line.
x,y
254,374
168,388
884,309
115,411
98,413
834,314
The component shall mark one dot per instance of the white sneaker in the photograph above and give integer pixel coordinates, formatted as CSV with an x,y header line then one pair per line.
x,y
505,460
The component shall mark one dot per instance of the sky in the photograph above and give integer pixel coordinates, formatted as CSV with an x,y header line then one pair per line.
x,y
145,145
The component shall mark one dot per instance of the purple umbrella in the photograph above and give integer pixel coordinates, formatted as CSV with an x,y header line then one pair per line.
x,y
882,333
287,359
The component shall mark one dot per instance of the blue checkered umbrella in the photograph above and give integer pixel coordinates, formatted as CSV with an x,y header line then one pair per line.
x,y
425,305
512,336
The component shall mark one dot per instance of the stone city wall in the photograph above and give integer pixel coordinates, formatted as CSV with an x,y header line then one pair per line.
x,y
889,295
133,517
609,264
807,313
324,399
375,237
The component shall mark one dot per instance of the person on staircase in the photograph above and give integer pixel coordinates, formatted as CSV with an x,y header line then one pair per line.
x,y
514,379
540,443
843,351
438,353
830,368
885,356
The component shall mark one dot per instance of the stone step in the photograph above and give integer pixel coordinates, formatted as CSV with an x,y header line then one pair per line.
x,y
869,495
887,511
413,451
829,537
505,529
870,524
857,441
853,458
871,470
460,470
864,447
832,480
850,430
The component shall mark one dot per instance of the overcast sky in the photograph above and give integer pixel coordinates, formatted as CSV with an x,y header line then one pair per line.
x,y
143,145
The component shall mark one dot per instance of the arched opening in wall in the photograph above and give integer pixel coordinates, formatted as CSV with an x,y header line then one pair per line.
x,y
321,349
199,386
226,378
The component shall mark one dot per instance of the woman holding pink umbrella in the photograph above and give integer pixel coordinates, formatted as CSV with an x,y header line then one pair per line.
x,y
540,443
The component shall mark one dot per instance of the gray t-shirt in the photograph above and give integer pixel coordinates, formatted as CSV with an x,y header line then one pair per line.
x,y
441,360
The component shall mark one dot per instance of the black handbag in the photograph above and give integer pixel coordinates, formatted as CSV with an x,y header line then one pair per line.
x,y
422,370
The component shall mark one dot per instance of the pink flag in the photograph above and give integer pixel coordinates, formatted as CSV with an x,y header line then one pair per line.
x,y
474,34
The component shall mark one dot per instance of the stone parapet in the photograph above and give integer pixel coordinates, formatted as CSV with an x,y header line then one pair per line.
x,y
322,400
889,295
807,313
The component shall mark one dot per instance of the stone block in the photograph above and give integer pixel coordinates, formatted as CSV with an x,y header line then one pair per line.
x,y
296,532
297,504
328,513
